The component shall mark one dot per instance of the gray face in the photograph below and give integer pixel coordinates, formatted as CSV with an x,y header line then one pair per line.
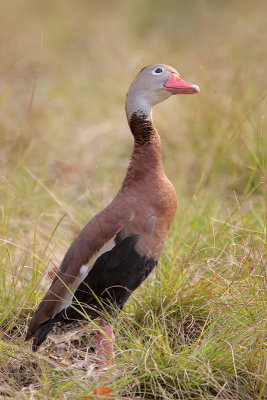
x,y
147,89
156,75
154,84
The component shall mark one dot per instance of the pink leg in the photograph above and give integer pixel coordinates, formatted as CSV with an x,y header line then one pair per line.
x,y
105,344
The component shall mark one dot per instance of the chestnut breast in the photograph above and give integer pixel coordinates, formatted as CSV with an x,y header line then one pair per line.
x,y
154,197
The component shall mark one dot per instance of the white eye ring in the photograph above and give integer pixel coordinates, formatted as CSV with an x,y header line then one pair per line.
x,y
158,71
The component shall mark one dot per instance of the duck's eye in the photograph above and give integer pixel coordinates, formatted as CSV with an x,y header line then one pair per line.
x,y
157,71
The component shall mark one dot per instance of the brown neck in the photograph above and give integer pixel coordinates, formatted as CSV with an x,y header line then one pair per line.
x,y
142,128
146,157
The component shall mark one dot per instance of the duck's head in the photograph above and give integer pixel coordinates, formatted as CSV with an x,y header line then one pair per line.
x,y
152,85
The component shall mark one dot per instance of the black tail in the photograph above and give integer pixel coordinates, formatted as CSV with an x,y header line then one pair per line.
x,y
41,334
66,316
44,329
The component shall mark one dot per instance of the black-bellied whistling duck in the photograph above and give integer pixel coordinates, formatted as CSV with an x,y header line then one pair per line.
x,y
120,246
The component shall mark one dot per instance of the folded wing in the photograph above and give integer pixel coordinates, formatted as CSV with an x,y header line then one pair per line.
x,y
107,287
95,238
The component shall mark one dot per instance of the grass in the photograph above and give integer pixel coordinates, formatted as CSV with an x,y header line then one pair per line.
x,y
196,329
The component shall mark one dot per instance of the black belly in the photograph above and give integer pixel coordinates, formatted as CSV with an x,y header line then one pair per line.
x,y
109,284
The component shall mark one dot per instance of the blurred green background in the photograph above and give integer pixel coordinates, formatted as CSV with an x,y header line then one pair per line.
x,y
80,57
65,68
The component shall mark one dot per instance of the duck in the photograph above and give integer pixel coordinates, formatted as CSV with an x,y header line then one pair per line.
x,y
121,245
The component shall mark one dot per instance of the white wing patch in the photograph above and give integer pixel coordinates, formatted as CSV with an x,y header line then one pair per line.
x,y
84,271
